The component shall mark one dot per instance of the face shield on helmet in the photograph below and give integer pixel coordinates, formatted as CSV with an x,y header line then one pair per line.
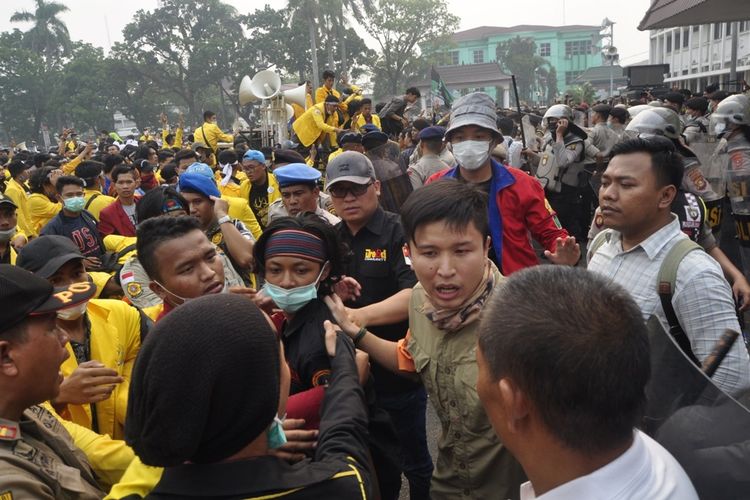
x,y
656,122
730,114
633,111
553,115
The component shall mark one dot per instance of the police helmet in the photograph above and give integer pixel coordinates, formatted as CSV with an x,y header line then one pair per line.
x,y
634,110
734,109
656,121
559,111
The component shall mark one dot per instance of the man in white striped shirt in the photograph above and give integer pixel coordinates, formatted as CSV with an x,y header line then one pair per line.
x,y
635,198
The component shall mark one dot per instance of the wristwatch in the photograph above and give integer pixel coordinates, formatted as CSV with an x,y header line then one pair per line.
x,y
224,219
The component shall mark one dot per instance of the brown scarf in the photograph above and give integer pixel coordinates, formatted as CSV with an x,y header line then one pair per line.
x,y
452,320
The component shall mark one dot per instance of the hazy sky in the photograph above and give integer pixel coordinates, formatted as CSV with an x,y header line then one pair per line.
x,y
100,22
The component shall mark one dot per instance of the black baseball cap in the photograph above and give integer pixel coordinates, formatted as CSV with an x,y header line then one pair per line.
x,y
43,256
24,294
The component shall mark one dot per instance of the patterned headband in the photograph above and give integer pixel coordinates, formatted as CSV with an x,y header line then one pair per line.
x,y
296,243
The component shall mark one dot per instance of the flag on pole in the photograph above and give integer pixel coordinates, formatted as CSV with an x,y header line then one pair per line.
x,y
439,87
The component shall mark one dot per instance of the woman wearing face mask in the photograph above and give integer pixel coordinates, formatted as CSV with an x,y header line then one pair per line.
x,y
105,336
516,202
299,259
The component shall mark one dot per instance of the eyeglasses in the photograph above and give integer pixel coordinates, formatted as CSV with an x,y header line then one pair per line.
x,y
355,189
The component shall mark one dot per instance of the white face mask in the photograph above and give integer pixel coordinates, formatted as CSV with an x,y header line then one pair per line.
x,y
72,313
471,155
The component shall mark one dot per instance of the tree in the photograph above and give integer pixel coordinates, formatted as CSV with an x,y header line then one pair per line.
x,y
186,48
307,12
582,93
48,35
518,56
27,87
400,27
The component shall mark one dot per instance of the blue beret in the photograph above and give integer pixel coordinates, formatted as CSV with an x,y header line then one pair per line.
x,y
370,127
296,173
200,168
192,181
435,132
254,154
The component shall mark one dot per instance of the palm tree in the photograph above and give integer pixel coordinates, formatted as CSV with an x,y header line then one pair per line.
x,y
338,19
49,35
308,11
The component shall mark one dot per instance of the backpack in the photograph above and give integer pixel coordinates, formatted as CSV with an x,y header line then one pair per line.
x,y
665,285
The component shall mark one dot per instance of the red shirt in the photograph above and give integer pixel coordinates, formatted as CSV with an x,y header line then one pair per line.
x,y
517,207
114,220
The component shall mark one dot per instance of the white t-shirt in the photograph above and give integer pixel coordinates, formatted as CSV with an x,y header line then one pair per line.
x,y
645,471
130,211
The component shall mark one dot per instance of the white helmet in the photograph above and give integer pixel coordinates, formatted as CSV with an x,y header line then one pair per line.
x,y
734,109
657,121
634,110
559,111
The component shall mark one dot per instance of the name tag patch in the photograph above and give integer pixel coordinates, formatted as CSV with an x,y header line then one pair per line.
x,y
375,254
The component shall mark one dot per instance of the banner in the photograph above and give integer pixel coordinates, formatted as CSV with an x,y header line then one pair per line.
x,y
439,87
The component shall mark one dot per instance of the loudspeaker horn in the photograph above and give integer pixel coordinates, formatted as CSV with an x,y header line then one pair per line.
x,y
289,112
297,95
246,94
266,84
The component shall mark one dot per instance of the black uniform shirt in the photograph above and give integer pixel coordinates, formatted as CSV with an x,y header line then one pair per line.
x,y
378,264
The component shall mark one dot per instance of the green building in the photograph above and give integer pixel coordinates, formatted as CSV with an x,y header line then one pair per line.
x,y
571,50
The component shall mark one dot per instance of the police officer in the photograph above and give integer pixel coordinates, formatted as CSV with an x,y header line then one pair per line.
x,y
561,167
300,193
37,456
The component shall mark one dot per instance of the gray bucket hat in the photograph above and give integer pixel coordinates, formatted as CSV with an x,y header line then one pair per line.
x,y
477,109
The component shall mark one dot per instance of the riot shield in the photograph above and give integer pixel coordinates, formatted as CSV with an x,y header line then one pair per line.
x,y
395,186
529,132
707,431
713,160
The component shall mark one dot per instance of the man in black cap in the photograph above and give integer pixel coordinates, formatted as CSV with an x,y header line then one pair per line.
x,y
431,145
206,408
348,141
394,182
618,117
10,239
38,458
281,157
674,101
600,134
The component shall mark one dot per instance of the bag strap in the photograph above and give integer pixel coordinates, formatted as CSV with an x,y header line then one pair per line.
x,y
665,285
206,139
597,242
88,203
145,324
122,253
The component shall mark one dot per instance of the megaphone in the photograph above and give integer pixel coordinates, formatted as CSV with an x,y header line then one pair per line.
x,y
266,84
289,112
297,95
246,94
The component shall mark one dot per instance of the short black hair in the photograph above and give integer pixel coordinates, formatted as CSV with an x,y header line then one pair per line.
x,y
505,125
619,114
143,151
336,251
414,91
67,180
698,104
364,101
585,372
666,162
16,167
151,204
184,154
89,170
111,161
154,232
123,169
165,154
168,171
456,203
227,156
208,115
328,74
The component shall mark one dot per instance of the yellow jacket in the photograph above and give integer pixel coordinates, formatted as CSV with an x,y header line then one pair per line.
x,y
273,195
139,479
41,211
109,458
17,194
177,138
231,189
313,123
299,110
115,341
322,92
117,243
239,208
101,201
361,121
69,168
211,135
100,280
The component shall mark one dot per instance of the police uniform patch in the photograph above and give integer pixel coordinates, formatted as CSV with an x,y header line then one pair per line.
x,y
8,432
375,254
6,495
217,238
697,177
599,220
134,289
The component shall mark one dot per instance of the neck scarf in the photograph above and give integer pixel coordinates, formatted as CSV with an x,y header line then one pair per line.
x,y
452,320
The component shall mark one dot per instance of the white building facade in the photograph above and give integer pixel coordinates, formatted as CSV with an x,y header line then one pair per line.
x,y
700,55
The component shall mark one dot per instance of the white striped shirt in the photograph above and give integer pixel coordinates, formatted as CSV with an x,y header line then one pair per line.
x,y
702,299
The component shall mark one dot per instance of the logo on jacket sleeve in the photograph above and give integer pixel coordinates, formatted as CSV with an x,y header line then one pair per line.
x,y
375,254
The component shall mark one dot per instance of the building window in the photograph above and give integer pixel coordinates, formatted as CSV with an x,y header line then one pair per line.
x,y
570,76
669,43
685,38
578,47
453,58
696,29
728,29
717,31
545,49
478,56
677,40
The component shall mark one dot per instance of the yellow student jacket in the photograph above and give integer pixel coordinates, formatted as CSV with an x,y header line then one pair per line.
x,y
115,341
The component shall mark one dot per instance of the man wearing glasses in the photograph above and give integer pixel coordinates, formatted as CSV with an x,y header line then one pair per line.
x,y
380,299
260,188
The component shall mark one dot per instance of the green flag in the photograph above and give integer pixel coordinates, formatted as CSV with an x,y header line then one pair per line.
x,y
439,87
